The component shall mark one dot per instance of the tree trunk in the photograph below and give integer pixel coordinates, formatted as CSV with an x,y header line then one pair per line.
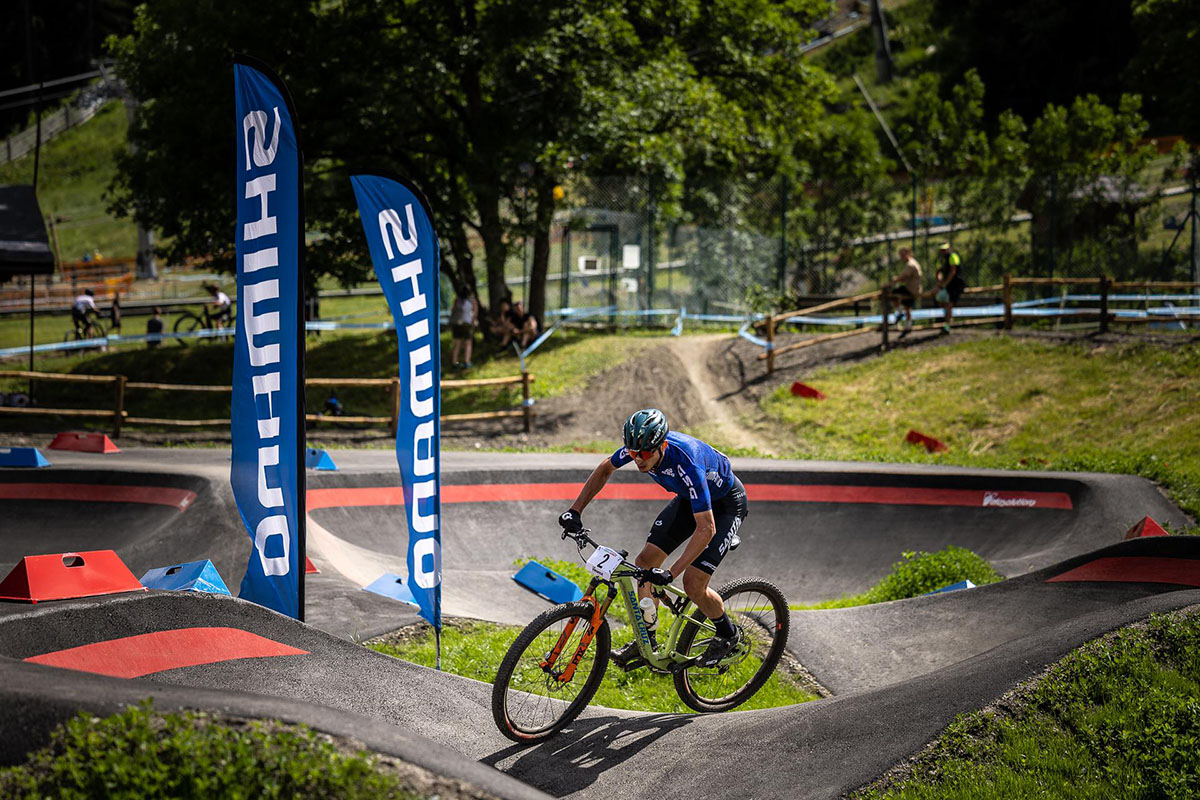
x,y
495,250
543,220
462,270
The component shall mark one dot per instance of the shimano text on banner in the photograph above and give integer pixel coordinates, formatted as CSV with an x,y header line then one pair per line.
x,y
268,364
404,250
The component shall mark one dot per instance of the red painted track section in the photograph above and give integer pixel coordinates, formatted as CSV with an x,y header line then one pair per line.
x,y
1135,569
134,656
98,493
757,492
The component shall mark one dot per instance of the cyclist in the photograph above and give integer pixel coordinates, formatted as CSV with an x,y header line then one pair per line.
x,y
79,313
706,512
223,305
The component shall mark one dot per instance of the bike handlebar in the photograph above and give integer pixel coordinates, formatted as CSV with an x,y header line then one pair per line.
x,y
581,538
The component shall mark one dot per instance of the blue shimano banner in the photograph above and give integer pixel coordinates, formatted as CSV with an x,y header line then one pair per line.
x,y
268,363
404,250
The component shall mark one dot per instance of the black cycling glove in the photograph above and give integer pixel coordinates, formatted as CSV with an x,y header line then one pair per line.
x,y
660,577
570,521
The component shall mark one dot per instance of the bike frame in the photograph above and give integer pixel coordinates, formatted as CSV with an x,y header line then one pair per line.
x,y
625,582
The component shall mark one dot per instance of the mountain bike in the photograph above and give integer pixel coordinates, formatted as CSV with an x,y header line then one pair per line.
x,y
553,669
92,328
190,321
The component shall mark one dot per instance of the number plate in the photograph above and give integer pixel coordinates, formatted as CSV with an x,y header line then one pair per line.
x,y
603,562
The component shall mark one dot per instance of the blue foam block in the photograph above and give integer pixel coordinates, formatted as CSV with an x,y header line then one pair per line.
x,y
318,459
546,582
391,585
953,587
195,576
22,457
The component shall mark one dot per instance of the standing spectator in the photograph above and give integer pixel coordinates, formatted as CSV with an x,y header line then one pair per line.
x,y
950,284
909,287
463,316
114,313
524,325
154,328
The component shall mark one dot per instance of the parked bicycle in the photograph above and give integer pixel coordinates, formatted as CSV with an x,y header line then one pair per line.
x,y
553,669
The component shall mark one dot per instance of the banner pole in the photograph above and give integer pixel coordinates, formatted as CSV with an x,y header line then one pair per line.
x,y
437,643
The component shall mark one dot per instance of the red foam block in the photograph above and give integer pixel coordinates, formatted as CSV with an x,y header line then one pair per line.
x,y
63,576
804,390
931,444
1147,527
84,443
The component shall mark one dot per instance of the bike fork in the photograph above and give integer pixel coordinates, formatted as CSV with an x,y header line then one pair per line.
x,y
597,618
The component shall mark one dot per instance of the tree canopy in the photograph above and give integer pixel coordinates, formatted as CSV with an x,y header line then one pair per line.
x,y
487,105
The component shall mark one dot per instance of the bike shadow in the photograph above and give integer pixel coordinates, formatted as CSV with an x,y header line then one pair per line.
x,y
577,756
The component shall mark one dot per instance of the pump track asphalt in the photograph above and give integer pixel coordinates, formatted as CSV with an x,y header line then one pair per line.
x,y
898,672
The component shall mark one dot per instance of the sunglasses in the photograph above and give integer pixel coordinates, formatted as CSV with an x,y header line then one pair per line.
x,y
641,454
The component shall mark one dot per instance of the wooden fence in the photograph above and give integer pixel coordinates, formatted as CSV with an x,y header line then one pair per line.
x,y
120,385
1107,286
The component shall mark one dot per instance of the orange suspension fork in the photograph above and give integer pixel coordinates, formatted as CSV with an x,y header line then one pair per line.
x,y
598,612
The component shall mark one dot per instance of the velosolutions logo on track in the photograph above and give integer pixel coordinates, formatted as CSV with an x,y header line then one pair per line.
x,y
1006,500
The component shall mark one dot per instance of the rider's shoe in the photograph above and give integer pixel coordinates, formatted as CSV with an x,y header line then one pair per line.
x,y
734,541
718,648
628,658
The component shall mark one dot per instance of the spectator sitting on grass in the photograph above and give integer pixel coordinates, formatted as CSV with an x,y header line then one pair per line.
x,y
524,326
500,325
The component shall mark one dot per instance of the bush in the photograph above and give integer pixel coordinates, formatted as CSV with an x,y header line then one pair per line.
x,y
142,754
920,573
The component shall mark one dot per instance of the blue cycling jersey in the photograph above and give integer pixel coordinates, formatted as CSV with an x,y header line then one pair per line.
x,y
690,468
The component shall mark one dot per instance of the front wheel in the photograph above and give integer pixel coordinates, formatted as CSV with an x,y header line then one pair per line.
x,y
532,702
758,609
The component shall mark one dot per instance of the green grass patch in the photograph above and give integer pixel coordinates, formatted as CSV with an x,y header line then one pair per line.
x,y
140,753
564,364
474,649
75,170
1012,403
1119,717
918,573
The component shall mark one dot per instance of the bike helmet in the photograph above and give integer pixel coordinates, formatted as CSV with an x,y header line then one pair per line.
x,y
645,429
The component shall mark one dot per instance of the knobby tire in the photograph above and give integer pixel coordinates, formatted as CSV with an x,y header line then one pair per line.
x,y
759,609
528,705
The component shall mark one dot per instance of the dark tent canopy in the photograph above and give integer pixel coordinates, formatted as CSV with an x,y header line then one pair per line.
x,y
24,248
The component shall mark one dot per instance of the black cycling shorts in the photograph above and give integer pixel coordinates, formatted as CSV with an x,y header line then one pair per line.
x,y
676,523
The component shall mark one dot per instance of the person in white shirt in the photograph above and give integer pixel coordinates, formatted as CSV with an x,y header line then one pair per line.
x,y
223,306
79,313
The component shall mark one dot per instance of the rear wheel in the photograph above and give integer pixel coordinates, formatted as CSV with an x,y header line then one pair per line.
x,y
188,323
530,702
758,609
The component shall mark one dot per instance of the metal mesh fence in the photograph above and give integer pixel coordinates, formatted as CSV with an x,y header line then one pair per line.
x,y
737,247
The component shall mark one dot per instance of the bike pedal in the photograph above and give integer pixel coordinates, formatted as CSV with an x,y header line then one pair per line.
x,y
679,666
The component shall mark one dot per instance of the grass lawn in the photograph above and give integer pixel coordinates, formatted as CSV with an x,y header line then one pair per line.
x,y
563,364
1119,717
73,175
1012,403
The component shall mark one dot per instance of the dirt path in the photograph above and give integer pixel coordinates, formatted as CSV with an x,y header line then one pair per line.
x,y
723,411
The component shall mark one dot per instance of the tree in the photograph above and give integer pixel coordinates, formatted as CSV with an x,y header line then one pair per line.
x,y
483,104
1033,52
1166,62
